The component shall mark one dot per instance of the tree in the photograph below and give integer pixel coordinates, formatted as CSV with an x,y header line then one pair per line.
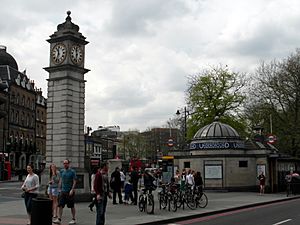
x,y
277,87
215,93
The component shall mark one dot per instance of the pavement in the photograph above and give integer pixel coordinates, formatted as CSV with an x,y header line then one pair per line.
x,y
12,209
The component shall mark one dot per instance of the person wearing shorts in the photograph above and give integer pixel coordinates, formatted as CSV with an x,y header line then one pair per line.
x,y
53,189
67,185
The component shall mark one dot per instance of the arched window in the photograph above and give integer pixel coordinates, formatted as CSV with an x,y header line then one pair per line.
x,y
18,98
32,121
12,97
23,119
23,100
12,115
17,117
38,115
27,120
28,103
32,104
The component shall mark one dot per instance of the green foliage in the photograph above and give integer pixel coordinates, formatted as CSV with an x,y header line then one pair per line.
x,y
276,92
215,93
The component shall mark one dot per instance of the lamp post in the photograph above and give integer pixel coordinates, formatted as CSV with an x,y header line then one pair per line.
x,y
186,113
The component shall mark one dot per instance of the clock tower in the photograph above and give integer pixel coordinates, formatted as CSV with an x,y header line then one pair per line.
x,y
66,97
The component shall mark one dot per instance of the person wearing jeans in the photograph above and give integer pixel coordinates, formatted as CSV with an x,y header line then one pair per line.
x,y
101,188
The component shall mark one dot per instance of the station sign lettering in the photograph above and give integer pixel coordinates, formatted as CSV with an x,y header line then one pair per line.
x,y
216,145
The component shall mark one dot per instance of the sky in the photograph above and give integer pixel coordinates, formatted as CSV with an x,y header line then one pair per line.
x,y
141,52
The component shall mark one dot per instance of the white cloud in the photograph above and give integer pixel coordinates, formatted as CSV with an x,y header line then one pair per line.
x,y
141,52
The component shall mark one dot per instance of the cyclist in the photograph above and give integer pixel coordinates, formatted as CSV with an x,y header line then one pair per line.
x,y
148,181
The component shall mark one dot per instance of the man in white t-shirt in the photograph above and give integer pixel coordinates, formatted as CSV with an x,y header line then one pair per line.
x,y
190,178
123,178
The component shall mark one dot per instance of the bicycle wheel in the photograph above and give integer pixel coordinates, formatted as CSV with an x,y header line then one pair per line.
x,y
150,204
162,201
202,201
173,203
141,203
190,201
179,199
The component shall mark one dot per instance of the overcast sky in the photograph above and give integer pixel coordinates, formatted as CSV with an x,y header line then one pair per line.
x,y
142,51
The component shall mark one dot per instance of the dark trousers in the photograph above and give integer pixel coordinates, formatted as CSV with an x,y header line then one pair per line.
x,y
135,193
28,201
115,192
101,209
128,196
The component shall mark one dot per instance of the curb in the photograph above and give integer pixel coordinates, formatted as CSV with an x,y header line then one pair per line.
x,y
177,219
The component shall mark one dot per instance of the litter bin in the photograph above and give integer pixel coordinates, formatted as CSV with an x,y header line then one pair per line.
x,y
41,212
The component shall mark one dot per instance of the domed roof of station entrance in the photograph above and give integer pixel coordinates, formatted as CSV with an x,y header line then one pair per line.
x,y
6,59
217,135
217,130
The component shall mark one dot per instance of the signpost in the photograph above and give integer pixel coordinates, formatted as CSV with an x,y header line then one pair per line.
x,y
170,142
272,139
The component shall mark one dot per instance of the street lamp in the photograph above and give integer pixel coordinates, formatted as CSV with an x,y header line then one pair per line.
x,y
186,113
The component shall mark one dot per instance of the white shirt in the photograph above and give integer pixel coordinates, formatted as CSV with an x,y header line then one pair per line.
x,y
123,177
92,183
31,181
190,179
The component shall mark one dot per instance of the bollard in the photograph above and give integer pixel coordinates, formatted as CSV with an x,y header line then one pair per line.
x,y
41,212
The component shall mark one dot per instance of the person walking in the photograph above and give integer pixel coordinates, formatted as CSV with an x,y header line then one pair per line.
x,y
128,188
53,189
93,195
134,176
115,182
30,188
123,178
101,187
67,185
149,181
262,183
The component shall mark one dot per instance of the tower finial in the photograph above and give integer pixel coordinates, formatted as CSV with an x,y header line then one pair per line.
x,y
68,17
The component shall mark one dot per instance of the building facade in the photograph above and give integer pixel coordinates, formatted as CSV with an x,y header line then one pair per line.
x,y
21,142
101,145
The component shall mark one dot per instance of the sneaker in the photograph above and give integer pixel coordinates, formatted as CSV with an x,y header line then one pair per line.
x,y
57,221
73,221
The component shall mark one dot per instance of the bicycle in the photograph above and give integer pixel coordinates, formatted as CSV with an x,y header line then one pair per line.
x,y
146,202
200,198
167,197
186,197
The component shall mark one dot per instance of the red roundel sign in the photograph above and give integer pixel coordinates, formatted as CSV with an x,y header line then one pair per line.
x,y
170,142
272,139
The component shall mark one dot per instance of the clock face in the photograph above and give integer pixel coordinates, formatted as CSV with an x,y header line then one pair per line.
x,y
76,54
59,52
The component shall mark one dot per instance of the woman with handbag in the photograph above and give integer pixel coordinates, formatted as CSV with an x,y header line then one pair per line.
x,y
30,188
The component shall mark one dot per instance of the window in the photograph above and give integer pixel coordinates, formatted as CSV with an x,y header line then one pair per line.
x,y
243,163
12,115
27,120
17,117
28,103
17,99
12,98
23,101
187,165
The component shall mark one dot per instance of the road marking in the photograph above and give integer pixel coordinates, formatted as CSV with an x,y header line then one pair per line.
x,y
284,221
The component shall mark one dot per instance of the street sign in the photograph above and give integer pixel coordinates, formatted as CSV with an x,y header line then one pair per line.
x,y
272,139
170,142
